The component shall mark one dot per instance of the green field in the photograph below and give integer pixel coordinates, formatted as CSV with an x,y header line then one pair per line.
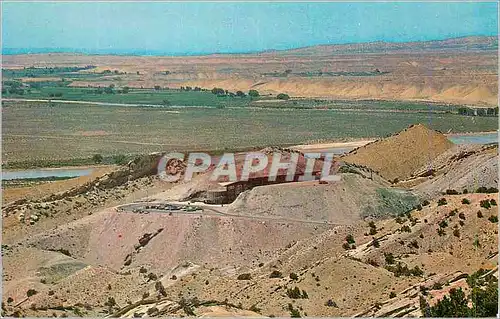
x,y
37,131
171,97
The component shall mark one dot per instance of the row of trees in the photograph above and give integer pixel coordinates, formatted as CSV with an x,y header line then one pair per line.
x,y
251,93
490,111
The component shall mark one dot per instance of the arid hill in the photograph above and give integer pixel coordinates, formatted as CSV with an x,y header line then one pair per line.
x,y
458,71
400,155
281,250
455,44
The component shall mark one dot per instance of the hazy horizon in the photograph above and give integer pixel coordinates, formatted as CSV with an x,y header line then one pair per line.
x,y
134,52
200,28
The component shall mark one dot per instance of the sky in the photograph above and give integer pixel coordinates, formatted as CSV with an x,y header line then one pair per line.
x,y
179,28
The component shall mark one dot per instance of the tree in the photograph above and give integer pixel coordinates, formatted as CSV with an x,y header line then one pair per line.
x,y
283,96
97,158
157,87
125,89
240,94
253,93
109,89
483,299
218,91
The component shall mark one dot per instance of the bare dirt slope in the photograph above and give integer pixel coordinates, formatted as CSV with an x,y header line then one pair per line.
x,y
464,168
359,281
398,156
344,202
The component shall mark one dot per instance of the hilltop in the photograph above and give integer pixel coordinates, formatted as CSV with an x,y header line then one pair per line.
x,y
464,44
399,155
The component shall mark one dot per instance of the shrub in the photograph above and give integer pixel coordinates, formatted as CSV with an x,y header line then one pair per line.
x,y
402,270
244,277
483,189
294,313
451,192
110,302
479,214
442,201
485,204
294,276
405,228
346,246
493,219
465,201
425,203
461,216
152,276
443,224
456,233
437,286
160,288
441,232
389,258
295,293
276,274
392,295
375,243
465,191
399,220
476,243
350,239
330,303
151,311
372,262
31,292
493,202
414,244
305,295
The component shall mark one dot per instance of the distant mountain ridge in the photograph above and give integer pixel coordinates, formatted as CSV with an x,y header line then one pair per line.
x,y
468,43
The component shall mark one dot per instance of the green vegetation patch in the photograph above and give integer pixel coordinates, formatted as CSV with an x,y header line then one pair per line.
x,y
391,202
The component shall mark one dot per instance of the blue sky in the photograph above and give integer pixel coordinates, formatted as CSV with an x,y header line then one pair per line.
x,y
198,27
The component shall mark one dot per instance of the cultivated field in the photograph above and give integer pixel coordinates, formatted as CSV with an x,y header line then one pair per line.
x,y
39,131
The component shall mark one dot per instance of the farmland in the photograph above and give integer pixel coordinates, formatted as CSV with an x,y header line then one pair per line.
x,y
163,96
38,131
